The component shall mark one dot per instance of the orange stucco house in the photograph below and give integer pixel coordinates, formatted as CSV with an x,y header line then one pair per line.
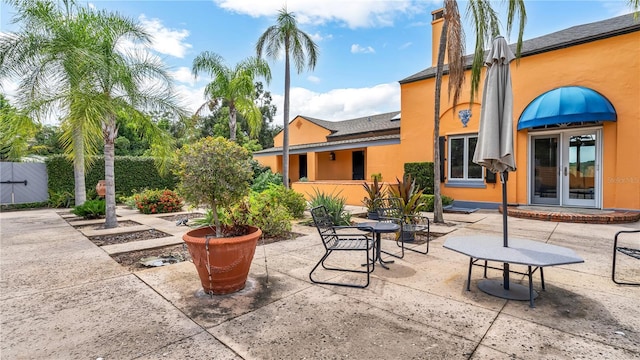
x,y
576,129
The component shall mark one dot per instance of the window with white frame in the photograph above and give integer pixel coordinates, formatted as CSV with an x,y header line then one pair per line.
x,y
461,165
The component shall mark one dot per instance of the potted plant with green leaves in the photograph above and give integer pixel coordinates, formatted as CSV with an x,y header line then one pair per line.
x,y
410,201
374,192
217,172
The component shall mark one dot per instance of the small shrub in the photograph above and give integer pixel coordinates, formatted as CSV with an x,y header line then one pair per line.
x,y
293,201
91,209
334,205
429,199
208,219
264,180
158,201
60,199
128,201
272,217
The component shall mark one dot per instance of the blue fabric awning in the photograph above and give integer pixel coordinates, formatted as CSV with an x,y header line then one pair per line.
x,y
567,105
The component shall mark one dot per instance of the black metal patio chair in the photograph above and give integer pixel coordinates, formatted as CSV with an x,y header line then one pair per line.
x,y
338,238
414,228
634,252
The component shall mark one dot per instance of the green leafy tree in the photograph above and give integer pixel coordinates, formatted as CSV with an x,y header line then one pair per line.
x,y
47,141
285,37
233,88
117,83
214,171
486,26
217,124
53,43
268,111
16,131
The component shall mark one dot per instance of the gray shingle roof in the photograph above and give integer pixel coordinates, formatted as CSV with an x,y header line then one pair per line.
x,y
334,145
364,125
572,36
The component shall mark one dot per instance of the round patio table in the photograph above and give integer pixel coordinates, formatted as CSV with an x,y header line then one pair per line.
x,y
379,228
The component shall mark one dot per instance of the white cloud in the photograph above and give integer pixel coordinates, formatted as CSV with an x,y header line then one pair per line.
x,y
191,98
166,41
357,49
405,45
340,104
354,14
317,37
313,79
183,74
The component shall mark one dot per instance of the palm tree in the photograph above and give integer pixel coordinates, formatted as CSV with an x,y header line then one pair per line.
x,y
486,25
121,83
286,37
52,45
233,87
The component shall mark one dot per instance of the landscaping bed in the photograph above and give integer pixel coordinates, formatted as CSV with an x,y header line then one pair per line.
x,y
123,223
120,238
171,254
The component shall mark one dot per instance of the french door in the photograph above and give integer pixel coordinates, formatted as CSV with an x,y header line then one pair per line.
x,y
565,168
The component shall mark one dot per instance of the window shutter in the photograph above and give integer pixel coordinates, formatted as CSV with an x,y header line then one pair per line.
x,y
489,177
443,158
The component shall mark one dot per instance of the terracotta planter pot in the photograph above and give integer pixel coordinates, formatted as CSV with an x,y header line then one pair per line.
x,y
101,188
225,267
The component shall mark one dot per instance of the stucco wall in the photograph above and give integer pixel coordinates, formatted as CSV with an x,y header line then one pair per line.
x,y
302,131
610,66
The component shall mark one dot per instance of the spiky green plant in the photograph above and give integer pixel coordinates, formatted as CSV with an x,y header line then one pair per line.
x,y
334,204
409,195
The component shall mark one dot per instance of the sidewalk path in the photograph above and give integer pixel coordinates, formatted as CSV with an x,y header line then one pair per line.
x,y
62,297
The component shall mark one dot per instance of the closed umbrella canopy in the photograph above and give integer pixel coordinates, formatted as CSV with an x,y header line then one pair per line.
x,y
494,149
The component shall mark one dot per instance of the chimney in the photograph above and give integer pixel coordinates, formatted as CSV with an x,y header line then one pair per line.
x,y
437,22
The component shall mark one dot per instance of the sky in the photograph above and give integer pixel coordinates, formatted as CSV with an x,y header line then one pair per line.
x,y
365,46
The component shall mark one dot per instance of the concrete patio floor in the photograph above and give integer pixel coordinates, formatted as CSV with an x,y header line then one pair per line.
x,y
62,297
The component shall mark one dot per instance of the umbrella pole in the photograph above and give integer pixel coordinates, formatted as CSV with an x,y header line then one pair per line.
x,y
504,176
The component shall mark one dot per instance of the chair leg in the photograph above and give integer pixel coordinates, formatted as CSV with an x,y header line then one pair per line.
x,y
415,249
615,252
370,267
400,243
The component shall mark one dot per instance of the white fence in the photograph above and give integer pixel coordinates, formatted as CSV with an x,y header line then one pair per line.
x,y
23,183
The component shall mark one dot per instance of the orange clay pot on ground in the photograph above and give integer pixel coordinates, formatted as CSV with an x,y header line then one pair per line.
x,y
224,268
101,188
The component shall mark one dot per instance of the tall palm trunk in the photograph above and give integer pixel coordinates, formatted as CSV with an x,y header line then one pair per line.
x,y
110,133
285,125
232,122
78,167
437,198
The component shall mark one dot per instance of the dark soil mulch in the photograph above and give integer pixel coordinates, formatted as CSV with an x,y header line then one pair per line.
x,y
124,223
131,260
177,253
121,238
177,217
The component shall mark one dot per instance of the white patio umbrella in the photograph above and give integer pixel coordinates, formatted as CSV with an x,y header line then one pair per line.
x,y
494,149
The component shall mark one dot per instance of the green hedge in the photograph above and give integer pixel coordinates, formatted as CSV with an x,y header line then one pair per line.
x,y
133,173
422,172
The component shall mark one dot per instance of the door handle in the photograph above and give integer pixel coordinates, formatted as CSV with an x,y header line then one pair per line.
x,y
565,171
14,182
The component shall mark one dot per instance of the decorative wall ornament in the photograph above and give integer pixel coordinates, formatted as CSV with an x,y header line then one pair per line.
x,y
464,116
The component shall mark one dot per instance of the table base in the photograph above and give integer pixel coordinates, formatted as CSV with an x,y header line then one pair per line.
x,y
515,292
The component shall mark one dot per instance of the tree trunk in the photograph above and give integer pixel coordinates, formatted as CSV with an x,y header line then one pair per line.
x,y
437,198
78,167
232,122
110,133
285,125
